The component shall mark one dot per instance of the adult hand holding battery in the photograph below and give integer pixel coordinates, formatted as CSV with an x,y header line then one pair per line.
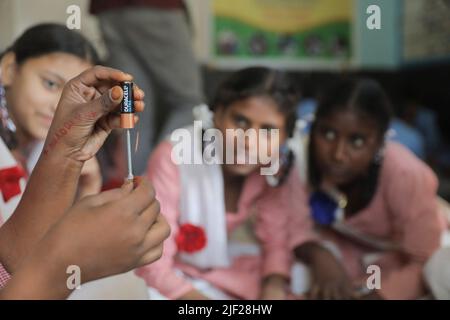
x,y
89,109
127,121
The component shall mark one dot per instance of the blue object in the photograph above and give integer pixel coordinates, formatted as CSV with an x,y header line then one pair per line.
x,y
409,137
426,123
323,208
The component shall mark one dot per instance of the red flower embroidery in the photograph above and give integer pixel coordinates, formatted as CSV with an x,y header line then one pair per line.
x,y
9,181
190,238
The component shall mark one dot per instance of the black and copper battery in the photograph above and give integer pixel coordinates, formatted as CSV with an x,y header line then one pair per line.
x,y
127,121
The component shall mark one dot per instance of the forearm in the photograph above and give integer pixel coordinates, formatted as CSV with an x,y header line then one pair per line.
x,y
34,282
309,251
46,198
40,276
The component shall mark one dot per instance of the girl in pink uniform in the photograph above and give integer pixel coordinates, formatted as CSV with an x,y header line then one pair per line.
x,y
228,221
373,202
33,72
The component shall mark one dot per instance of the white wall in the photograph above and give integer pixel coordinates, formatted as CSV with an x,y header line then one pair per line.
x,y
18,15
7,19
21,14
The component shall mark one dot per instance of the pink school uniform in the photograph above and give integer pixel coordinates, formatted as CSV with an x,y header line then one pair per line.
x,y
267,206
4,276
403,211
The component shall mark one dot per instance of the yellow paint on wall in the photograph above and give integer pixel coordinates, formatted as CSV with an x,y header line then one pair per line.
x,y
284,15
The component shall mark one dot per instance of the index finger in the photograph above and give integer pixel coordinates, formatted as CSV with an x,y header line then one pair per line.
x,y
97,75
110,195
140,198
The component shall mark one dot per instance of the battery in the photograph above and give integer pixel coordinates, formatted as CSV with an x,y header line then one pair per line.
x,y
127,106
127,120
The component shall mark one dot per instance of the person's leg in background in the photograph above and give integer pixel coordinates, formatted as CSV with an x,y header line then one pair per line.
x,y
178,74
163,44
115,26
155,45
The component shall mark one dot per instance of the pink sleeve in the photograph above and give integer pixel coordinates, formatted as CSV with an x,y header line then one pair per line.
x,y
411,196
161,274
4,276
301,225
276,207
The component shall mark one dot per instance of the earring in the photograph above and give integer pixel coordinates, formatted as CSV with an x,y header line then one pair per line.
x,y
379,156
205,115
390,133
7,127
378,159
285,162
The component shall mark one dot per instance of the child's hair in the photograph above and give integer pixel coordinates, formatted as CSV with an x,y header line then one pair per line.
x,y
258,82
365,97
44,39
50,38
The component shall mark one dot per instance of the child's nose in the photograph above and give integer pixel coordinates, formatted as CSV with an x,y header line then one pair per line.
x,y
339,152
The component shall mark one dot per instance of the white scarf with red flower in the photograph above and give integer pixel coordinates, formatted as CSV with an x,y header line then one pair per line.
x,y
12,183
202,237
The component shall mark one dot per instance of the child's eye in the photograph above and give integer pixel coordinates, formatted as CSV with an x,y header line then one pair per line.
x,y
330,135
358,142
240,122
50,84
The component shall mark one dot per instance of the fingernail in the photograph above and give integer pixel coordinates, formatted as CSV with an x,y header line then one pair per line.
x,y
127,184
116,93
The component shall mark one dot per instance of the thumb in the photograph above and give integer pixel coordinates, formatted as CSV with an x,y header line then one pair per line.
x,y
106,103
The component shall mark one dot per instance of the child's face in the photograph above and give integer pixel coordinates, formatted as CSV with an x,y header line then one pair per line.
x,y
34,89
345,144
253,113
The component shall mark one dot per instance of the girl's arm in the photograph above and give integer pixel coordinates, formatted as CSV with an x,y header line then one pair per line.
x,y
280,210
329,279
411,197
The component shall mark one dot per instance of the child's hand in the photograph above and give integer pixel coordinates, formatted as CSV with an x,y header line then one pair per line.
x,y
274,288
329,278
109,233
90,182
85,113
106,234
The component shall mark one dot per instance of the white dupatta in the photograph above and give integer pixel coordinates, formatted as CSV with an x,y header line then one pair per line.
x,y
7,161
202,204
